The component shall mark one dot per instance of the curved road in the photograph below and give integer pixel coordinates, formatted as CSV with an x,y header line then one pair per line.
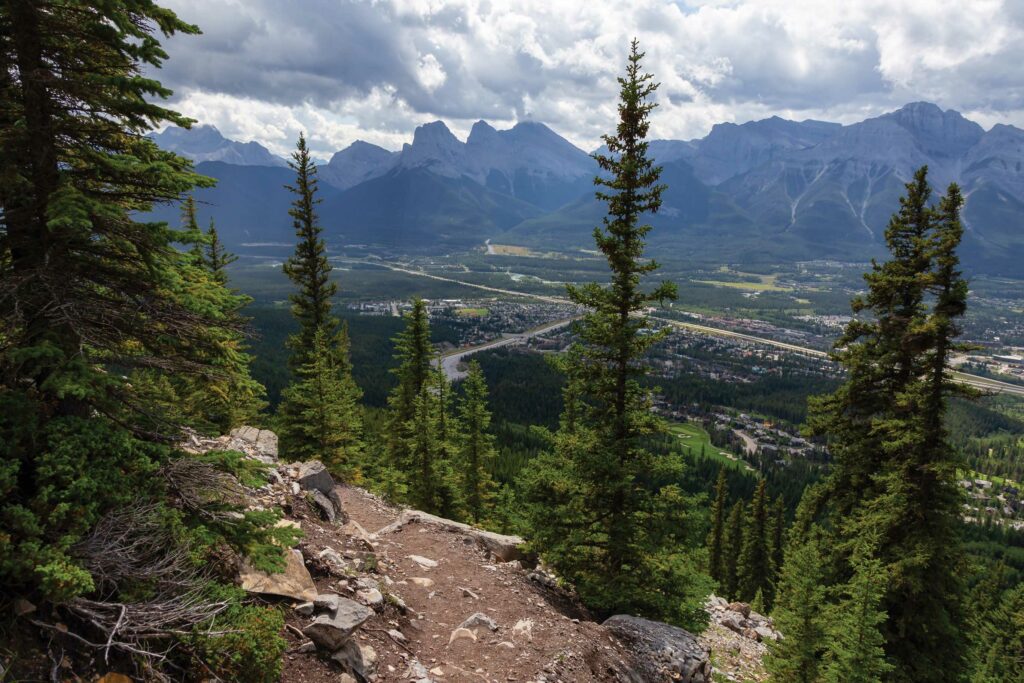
x,y
450,362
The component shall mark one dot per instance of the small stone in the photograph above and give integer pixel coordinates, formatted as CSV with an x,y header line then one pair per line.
x,y
22,607
507,645
437,671
461,634
371,597
398,635
308,646
524,628
304,609
422,581
479,619
466,593
424,562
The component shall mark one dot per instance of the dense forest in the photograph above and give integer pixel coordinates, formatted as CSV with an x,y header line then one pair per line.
x,y
119,337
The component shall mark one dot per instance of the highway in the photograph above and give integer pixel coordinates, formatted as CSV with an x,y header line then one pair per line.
x,y
975,381
450,361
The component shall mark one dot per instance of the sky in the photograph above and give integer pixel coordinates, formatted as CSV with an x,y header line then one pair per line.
x,y
343,70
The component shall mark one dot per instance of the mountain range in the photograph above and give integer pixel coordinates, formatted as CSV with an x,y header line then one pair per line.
x,y
769,190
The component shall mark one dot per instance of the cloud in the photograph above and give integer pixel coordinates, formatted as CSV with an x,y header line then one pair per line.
x,y
374,69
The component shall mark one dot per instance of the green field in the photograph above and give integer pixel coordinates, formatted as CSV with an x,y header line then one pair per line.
x,y
693,438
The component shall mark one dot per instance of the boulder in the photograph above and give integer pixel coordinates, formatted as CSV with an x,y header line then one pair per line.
x,y
294,582
358,660
336,619
313,476
323,505
504,548
740,607
660,652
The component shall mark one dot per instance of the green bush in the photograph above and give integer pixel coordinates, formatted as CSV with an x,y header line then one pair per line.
x,y
250,646
54,486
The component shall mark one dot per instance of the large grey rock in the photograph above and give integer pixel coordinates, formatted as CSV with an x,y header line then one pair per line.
x,y
660,652
504,548
313,476
324,506
336,620
358,660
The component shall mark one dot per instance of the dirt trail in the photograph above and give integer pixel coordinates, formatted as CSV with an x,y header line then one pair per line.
x,y
551,643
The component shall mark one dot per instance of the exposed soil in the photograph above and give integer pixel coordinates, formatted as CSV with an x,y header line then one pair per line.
x,y
557,646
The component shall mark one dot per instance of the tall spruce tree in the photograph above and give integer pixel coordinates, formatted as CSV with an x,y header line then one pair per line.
x,y
716,536
477,444
308,268
732,546
320,413
627,554
89,293
776,549
892,459
854,650
217,257
755,559
413,352
799,614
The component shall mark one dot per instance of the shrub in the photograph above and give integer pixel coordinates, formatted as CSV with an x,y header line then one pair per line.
x,y
243,643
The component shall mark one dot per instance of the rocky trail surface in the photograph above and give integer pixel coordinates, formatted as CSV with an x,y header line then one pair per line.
x,y
377,593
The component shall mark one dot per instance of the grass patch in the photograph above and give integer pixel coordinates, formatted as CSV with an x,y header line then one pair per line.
x,y
472,312
696,441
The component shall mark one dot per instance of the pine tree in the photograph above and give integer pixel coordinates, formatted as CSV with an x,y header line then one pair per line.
x,y
716,536
320,413
799,615
627,555
892,458
854,651
424,479
413,352
755,560
1002,639
477,448
89,293
308,267
732,545
217,257
775,550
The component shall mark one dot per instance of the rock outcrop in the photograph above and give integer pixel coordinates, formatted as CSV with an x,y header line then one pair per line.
x,y
661,652
504,548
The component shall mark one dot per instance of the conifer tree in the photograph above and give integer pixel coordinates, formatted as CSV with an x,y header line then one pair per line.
x,y
755,561
477,448
716,536
425,478
413,352
627,556
308,268
320,413
90,293
217,257
1002,640
732,546
799,614
892,458
854,649
775,550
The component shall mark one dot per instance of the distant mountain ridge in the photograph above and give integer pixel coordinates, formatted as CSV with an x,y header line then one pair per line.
x,y
769,190
205,143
